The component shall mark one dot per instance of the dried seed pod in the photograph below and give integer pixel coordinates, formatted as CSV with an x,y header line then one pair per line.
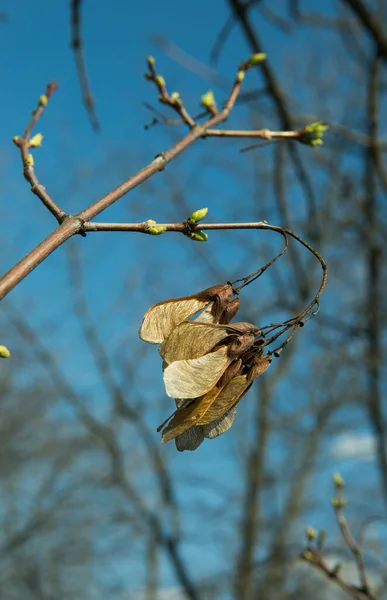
x,y
213,414
160,320
195,377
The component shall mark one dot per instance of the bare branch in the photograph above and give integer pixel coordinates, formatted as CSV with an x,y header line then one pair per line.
x,y
77,46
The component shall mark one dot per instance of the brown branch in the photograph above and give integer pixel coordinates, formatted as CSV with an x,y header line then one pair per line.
x,y
221,39
106,437
255,474
116,392
77,46
240,11
18,272
265,134
317,19
373,117
371,23
24,144
313,553
79,224
70,225
187,228
373,251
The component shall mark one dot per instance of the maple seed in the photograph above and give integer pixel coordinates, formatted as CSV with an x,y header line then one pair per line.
x,y
162,318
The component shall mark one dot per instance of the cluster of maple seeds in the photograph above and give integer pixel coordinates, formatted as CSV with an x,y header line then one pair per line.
x,y
208,363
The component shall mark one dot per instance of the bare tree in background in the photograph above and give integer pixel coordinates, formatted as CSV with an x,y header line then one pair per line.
x,y
112,513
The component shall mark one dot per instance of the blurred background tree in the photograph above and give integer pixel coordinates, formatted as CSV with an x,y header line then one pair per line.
x,y
91,505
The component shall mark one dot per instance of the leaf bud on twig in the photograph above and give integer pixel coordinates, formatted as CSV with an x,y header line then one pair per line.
x,y
198,215
4,352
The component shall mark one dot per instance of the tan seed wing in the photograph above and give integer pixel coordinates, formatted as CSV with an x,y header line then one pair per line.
x,y
194,378
186,418
229,396
162,318
190,439
206,316
190,340
221,425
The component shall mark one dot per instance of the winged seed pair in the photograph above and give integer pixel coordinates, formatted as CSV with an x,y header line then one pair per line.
x,y
208,363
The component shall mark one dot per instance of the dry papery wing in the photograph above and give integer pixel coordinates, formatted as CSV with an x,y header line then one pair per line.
x,y
190,439
185,418
220,311
235,389
191,339
221,425
163,317
193,437
229,395
190,413
192,378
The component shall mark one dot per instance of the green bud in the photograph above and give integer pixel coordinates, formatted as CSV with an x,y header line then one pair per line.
x,y
36,140
15,139
338,502
256,59
156,230
4,352
160,81
43,100
150,222
311,533
198,236
307,555
208,100
150,60
175,96
148,76
312,134
240,76
198,215
29,160
338,480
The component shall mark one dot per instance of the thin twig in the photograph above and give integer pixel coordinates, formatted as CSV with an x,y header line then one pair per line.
x,y
371,23
24,144
79,224
313,554
77,46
